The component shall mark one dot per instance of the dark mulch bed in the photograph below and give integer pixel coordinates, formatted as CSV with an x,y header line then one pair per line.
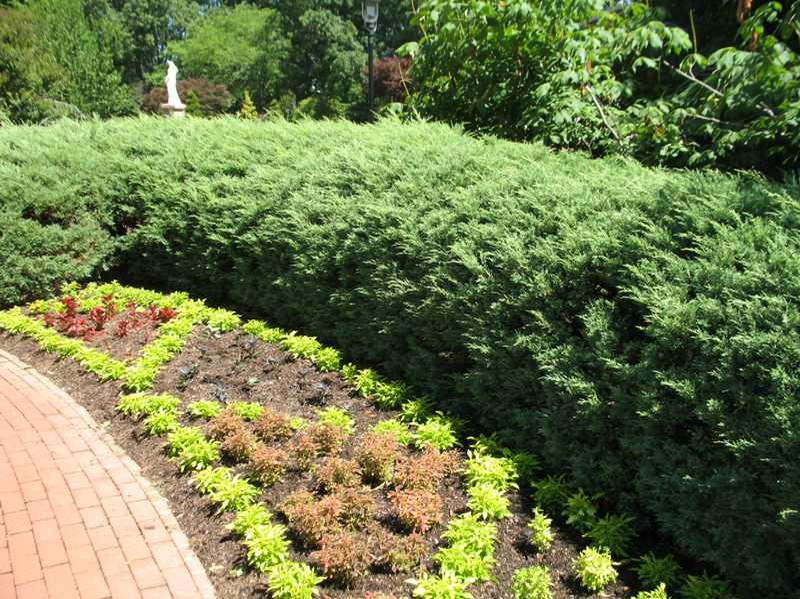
x,y
234,367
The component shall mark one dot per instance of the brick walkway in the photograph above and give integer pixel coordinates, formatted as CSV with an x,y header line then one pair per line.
x,y
76,517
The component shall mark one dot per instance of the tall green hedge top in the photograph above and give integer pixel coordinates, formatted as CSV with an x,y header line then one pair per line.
x,y
638,328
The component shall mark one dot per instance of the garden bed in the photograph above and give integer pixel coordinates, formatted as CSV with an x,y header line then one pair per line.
x,y
352,483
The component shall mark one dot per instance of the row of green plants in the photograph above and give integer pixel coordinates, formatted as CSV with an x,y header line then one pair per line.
x,y
141,374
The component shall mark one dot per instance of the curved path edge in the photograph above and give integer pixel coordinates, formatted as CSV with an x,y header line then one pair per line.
x,y
77,518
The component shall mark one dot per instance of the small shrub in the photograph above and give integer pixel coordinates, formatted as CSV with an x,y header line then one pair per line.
x,y
613,532
580,511
199,455
268,464
472,534
398,553
438,432
305,451
337,472
445,586
395,427
416,510
238,444
551,493
594,568
183,437
487,502
273,426
356,506
653,571
541,531
204,409
250,517
290,580
247,410
660,592
416,410
310,520
532,583
210,479
426,470
233,494
376,454
464,564
266,546
704,587
328,438
160,423
342,557
337,417
225,423
138,405
482,468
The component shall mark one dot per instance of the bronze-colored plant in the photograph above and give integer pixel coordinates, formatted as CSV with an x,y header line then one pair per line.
x,y
377,453
328,438
416,510
273,425
225,423
425,470
268,463
309,519
343,557
238,444
332,473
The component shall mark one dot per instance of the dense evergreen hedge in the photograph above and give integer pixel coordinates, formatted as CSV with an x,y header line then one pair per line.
x,y
637,328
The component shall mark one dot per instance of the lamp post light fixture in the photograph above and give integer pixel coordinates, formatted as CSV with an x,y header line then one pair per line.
x,y
369,12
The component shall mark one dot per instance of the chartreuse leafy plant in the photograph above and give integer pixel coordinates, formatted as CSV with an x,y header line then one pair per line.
x,y
183,437
394,427
223,320
437,431
266,545
198,455
264,332
470,555
210,479
250,517
482,468
660,592
337,417
551,493
233,494
445,586
292,580
541,531
161,423
140,404
247,410
488,502
204,409
653,571
533,582
595,568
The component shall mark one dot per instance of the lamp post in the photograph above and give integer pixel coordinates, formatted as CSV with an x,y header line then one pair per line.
x,y
369,12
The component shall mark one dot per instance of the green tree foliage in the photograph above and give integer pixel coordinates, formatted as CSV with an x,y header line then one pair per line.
x,y
579,74
644,323
241,48
93,85
29,74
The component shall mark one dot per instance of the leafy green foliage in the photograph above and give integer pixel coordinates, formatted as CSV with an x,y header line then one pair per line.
x,y
437,431
482,468
204,409
466,565
446,586
488,502
613,532
249,518
585,76
248,109
266,546
138,405
338,418
232,494
533,582
581,511
394,427
247,410
653,571
595,569
181,438
471,534
199,455
160,423
541,531
291,580
551,492
660,592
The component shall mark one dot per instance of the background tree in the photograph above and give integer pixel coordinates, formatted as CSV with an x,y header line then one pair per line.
x,y
241,48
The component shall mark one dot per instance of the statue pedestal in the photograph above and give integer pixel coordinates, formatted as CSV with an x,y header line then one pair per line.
x,y
175,112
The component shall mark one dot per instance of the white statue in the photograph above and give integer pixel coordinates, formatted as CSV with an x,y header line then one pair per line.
x,y
173,100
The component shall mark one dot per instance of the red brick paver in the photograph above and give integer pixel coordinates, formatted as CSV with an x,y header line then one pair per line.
x,y
77,519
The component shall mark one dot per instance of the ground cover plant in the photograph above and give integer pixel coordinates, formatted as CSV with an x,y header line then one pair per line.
x,y
633,328
367,513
